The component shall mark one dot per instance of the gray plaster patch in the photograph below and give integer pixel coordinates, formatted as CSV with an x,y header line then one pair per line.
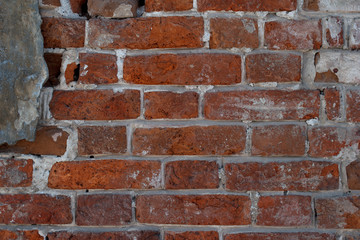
x,y
22,69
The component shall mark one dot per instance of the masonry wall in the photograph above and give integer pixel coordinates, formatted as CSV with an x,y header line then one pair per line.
x,y
196,119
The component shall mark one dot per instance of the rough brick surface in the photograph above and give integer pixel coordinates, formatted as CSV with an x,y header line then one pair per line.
x,y
209,235
21,235
103,209
339,6
53,3
284,211
233,33
35,209
262,105
105,174
196,140
95,105
97,68
338,212
71,72
278,140
168,5
63,33
353,175
94,140
355,34
78,6
291,176
193,209
134,33
272,67
291,35
53,61
48,141
280,236
191,175
183,69
16,173
112,8
353,102
334,32
332,98
124,235
241,5
171,105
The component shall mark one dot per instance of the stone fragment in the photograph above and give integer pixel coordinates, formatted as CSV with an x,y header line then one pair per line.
x,y
112,8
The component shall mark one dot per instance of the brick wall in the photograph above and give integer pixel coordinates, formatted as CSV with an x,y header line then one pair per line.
x,y
194,119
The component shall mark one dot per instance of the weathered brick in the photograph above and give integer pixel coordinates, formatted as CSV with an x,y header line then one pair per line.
x,y
112,8
355,34
78,6
103,209
289,176
284,211
273,67
125,235
334,67
195,140
193,209
334,32
351,236
191,175
102,140
16,173
168,5
353,175
48,141
63,32
145,33
35,209
338,212
262,105
52,3
278,140
95,105
293,35
234,33
333,6
71,72
20,235
332,99
171,105
53,62
251,6
353,102
183,69
330,141
281,236
105,174
208,235
96,68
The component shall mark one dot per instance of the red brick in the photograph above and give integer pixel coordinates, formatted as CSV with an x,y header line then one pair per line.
x,y
35,209
193,209
94,140
125,235
105,174
289,176
191,175
16,173
332,98
355,34
147,32
209,235
353,102
353,175
53,3
281,236
250,6
113,8
48,141
273,67
21,235
77,6
96,68
329,141
293,35
278,140
95,105
262,105
334,32
234,33
171,105
195,140
168,5
183,69
103,209
340,212
53,62
70,72
63,32
284,211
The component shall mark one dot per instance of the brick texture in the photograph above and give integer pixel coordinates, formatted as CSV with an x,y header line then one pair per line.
x,y
209,235
16,173
168,5
23,235
280,236
240,5
124,235
352,110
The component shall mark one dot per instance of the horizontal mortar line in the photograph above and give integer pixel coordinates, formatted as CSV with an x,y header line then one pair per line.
x,y
100,228
280,229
